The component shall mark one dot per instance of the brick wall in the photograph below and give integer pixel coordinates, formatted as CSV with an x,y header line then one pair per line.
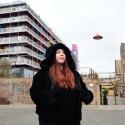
x,y
15,90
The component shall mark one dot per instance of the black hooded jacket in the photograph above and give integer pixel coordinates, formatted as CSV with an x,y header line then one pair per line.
x,y
53,102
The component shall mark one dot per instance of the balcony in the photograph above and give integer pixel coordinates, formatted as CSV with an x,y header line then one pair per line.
x,y
21,50
23,29
16,19
25,18
24,61
21,39
13,9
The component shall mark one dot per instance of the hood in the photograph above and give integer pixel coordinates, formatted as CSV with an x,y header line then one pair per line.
x,y
50,56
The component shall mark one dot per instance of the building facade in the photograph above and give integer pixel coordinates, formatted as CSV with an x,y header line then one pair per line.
x,y
24,38
122,56
74,52
118,67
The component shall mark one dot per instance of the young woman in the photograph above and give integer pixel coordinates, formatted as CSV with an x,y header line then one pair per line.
x,y
58,90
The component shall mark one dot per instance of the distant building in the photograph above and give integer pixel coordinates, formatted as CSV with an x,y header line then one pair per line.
x,y
74,51
118,67
122,55
24,38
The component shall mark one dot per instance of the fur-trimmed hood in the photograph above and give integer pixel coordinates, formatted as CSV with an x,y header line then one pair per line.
x,y
50,56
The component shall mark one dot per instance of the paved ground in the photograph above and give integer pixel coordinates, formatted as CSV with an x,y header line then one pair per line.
x,y
105,115
92,115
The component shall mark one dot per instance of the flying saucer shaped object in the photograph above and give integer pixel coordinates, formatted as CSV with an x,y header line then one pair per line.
x,y
97,37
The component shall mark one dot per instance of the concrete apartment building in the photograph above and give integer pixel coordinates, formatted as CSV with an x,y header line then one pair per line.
x,y
24,38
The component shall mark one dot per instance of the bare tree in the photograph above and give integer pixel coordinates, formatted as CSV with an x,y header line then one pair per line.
x,y
5,68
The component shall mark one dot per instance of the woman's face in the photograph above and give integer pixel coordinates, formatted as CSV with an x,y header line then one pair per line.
x,y
60,56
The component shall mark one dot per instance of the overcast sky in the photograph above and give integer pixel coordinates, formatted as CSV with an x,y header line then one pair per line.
x,y
77,21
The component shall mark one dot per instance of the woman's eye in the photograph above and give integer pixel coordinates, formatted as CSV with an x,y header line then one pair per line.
x,y
58,52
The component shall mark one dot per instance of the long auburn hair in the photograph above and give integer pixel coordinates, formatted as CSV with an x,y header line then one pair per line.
x,y
64,77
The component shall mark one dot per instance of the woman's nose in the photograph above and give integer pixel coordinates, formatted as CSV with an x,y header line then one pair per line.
x,y
62,53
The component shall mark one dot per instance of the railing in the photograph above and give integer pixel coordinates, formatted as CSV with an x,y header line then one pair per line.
x,y
24,18
13,9
22,39
23,28
23,60
14,19
19,50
